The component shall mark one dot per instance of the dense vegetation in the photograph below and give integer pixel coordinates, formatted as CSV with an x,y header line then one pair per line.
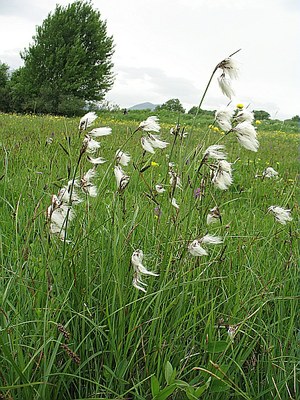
x,y
67,65
220,326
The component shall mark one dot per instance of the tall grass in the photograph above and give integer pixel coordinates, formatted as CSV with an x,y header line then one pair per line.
x,y
72,326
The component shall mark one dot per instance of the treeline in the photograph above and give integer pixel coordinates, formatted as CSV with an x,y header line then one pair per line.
x,y
16,95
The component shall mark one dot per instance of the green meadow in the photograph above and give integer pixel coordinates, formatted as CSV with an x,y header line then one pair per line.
x,y
221,326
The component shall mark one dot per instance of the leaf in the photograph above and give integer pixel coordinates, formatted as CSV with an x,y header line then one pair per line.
x,y
154,386
217,346
168,372
194,394
180,383
113,374
64,149
144,168
165,393
200,390
190,394
218,386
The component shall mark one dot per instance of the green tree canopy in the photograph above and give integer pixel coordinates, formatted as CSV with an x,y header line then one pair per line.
x,y
194,110
4,87
261,114
296,118
172,105
69,61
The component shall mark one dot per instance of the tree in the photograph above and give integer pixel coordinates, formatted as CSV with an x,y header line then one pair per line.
x,y
171,105
194,110
69,61
296,118
261,114
4,87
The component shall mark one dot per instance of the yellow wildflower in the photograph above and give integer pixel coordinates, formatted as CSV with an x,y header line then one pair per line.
x,y
216,129
154,164
258,122
240,106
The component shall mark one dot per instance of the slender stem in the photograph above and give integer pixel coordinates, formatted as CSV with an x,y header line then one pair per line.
x,y
205,91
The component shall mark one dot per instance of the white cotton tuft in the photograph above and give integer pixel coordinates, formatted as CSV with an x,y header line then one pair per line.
x,y
196,250
121,178
223,118
96,161
122,158
225,86
87,120
215,152
211,239
97,132
174,203
270,172
150,125
147,145
281,215
139,270
156,142
246,136
160,189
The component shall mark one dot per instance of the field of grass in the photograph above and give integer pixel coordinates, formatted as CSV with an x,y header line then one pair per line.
x,y
72,326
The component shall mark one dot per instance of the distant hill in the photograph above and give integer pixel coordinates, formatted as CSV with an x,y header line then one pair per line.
x,y
144,106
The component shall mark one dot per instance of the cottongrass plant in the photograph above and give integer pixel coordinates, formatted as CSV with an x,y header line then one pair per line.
x,y
174,203
282,215
270,172
159,189
122,158
140,270
87,120
178,132
86,183
246,135
175,180
61,211
213,216
239,122
221,175
151,124
152,142
230,71
223,118
243,115
215,152
146,145
58,214
121,178
195,247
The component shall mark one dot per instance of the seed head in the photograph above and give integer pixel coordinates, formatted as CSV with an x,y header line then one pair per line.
x,y
122,158
281,215
150,125
87,120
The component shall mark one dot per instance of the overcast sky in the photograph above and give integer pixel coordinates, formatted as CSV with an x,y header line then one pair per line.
x,y
168,48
